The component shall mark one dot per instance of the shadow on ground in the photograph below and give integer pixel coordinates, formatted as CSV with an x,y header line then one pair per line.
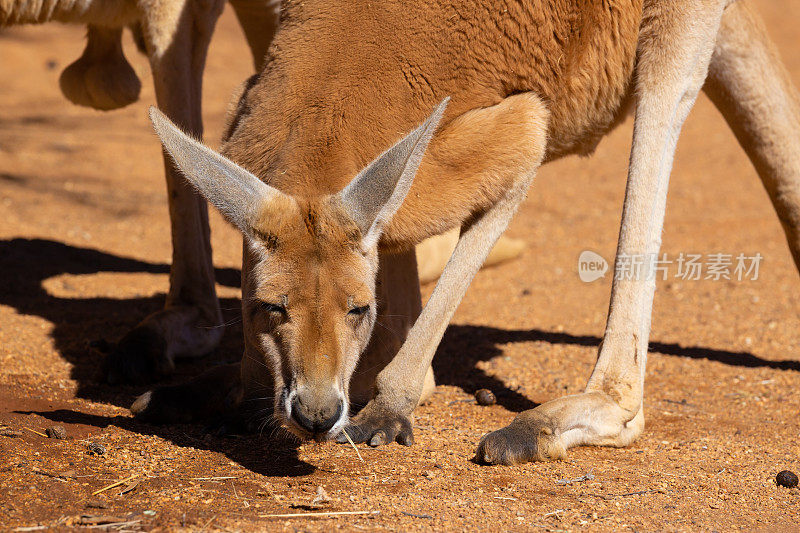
x,y
463,346
26,263
272,454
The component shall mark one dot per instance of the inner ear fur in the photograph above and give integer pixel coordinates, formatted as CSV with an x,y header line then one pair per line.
x,y
239,195
470,164
378,191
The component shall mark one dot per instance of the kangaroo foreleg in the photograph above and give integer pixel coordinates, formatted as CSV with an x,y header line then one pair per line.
x,y
400,385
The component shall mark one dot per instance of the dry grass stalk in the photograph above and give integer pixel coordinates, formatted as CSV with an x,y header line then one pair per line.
x,y
321,514
353,444
115,484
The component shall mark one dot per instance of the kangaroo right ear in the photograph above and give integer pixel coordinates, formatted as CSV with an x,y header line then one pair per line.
x,y
378,191
237,193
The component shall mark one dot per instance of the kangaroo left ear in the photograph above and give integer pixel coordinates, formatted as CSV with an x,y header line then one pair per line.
x,y
378,191
239,195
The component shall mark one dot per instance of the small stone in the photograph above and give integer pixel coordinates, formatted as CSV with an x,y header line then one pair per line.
x,y
485,397
96,504
56,432
786,478
320,497
10,433
95,448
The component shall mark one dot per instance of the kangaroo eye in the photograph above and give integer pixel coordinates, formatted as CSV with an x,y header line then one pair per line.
x,y
272,308
358,311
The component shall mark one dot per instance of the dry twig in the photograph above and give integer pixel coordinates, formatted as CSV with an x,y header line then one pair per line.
x,y
37,432
586,477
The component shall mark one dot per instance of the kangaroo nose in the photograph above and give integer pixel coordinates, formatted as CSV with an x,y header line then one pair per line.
x,y
314,416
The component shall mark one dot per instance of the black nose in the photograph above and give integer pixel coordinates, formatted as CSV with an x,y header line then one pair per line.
x,y
316,420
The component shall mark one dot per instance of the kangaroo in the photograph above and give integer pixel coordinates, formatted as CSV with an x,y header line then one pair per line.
x,y
174,34
331,203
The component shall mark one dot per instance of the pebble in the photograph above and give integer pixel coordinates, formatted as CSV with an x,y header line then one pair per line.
x,y
10,433
56,432
786,478
95,448
485,397
320,497
96,504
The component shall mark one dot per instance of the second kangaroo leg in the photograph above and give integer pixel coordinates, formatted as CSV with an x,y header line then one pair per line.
x,y
433,253
177,35
674,49
400,385
751,88
259,20
216,392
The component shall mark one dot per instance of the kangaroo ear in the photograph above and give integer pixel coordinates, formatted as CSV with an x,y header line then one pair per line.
x,y
378,191
238,194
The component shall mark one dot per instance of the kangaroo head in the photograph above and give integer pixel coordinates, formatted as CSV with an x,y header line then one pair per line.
x,y
308,293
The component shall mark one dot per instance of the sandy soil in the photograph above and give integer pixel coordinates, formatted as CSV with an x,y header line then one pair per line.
x,y
84,251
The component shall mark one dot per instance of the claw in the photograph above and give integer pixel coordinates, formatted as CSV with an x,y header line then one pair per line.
x,y
379,439
406,439
378,427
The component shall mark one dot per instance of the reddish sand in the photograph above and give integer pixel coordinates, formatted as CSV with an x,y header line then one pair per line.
x,y
84,252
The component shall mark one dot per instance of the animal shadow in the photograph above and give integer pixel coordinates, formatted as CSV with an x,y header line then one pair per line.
x,y
270,454
25,264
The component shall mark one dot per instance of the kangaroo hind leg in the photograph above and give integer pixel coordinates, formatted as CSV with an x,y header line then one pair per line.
x,y
752,89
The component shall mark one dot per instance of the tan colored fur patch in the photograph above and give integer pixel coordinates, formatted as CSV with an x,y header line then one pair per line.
x,y
315,267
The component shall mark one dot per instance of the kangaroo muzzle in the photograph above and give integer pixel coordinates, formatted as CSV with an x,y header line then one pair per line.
x,y
318,413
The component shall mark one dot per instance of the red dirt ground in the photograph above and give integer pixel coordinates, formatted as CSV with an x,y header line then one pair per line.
x,y
84,252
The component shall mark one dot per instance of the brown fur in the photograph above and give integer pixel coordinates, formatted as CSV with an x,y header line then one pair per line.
x,y
320,120
312,272
336,92
309,123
